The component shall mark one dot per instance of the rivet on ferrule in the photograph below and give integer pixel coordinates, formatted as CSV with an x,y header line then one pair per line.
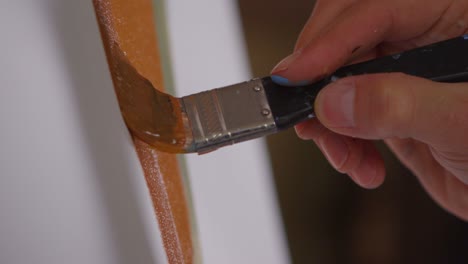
x,y
265,112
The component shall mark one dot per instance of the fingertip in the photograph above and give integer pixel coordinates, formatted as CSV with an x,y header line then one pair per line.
x,y
363,180
336,150
301,131
309,129
285,63
372,178
379,178
370,173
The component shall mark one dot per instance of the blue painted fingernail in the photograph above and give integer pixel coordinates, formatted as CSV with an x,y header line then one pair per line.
x,y
285,82
280,80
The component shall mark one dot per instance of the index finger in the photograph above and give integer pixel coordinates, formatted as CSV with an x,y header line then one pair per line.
x,y
358,29
323,15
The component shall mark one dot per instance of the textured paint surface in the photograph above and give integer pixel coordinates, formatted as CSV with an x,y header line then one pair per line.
x,y
127,28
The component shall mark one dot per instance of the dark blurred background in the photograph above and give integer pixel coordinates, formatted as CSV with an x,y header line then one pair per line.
x,y
327,218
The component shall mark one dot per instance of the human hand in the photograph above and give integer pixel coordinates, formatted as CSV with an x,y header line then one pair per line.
x,y
423,122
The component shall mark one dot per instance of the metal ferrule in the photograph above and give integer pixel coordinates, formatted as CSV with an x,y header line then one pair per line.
x,y
228,115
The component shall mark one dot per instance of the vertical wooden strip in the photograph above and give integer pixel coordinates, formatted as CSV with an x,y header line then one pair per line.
x,y
127,27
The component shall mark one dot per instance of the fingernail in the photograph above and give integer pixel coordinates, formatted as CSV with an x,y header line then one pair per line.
x,y
336,150
335,104
284,64
369,173
280,80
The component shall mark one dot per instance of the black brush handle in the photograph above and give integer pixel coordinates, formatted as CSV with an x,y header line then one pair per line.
x,y
445,61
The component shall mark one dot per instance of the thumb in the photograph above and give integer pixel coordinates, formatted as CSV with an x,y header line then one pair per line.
x,y
383,106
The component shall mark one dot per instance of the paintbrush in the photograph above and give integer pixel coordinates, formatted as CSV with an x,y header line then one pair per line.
x,y
206,121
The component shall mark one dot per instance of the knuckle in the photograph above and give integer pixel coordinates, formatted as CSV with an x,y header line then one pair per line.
x,y
391,106
451,113
458,115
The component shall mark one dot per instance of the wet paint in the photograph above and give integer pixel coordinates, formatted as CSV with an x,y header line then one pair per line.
x,y
155,117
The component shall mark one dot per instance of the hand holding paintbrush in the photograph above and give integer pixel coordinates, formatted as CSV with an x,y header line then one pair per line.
x,y
424,123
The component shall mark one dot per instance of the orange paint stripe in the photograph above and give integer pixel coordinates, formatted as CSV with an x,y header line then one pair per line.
x,y
130,25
